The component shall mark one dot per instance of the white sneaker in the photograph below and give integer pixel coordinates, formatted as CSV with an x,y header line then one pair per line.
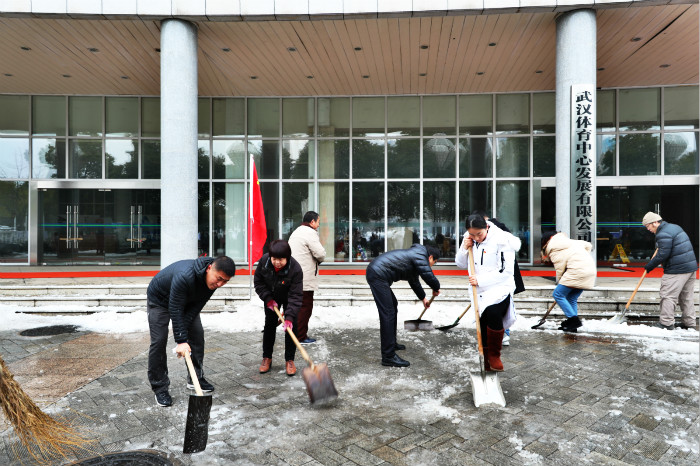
x,y
506,340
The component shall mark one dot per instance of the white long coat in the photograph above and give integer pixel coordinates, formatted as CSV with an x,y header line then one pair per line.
x,y
493,263
309,252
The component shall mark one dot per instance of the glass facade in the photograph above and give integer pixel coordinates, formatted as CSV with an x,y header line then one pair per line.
x,y
384,172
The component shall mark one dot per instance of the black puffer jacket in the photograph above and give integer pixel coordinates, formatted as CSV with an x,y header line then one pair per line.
x,y
181,288
404,264
286,286
675,250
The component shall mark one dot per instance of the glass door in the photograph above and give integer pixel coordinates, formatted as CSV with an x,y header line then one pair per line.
x,y
133,228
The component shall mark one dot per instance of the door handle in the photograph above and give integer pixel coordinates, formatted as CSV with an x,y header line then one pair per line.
x,y
131,229
138,230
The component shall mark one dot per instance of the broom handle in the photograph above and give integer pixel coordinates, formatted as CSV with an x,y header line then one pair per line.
x,y
301,349
193,374
472,271
426,307
641,279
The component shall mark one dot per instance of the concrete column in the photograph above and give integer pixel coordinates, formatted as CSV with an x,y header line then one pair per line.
x,y
576,64
178,156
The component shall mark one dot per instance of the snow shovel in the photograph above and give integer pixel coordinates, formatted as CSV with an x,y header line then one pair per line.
x,y
419,324
197,427
620,318
544,318
317,377
485,385
447,327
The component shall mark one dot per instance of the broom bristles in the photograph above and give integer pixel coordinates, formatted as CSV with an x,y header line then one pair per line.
x,y
44,437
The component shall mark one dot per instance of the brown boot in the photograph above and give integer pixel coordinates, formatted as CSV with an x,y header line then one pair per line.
x,y
265,365
495,339
291,368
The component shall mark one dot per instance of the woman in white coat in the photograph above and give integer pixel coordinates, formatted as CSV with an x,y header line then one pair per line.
x,y
576,271
494,256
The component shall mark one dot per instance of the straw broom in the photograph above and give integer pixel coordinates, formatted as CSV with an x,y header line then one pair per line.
x,y
44,437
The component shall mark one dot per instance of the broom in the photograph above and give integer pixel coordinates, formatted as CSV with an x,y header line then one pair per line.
x,y
44,437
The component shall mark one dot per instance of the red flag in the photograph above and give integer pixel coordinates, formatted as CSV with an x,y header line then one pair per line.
x,y
257,228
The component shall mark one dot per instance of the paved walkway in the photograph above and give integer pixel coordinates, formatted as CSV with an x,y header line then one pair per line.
x,y
572,399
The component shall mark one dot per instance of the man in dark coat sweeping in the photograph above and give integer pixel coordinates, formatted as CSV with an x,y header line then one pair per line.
x,y
178,293
390,267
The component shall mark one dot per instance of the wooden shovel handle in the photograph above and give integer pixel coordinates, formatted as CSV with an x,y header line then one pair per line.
x,y
193,374
465,311
472,272
301,349
641,279
426,307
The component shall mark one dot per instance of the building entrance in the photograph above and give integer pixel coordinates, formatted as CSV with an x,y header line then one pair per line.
x,y
99,226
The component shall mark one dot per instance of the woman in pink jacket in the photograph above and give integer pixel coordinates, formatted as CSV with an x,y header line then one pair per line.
x,y
576,271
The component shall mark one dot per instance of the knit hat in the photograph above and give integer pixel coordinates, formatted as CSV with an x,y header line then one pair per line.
x,y
651,217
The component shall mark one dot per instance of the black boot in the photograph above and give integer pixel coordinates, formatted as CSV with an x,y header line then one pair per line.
x,y
570,324
395,361
399,347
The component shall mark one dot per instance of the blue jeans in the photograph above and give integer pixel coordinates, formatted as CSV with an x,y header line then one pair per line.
x,y
567,299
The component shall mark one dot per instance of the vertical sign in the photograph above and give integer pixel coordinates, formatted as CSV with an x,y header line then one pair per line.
x,y
583,159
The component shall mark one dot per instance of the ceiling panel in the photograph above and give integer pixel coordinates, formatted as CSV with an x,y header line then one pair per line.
x,y
420,55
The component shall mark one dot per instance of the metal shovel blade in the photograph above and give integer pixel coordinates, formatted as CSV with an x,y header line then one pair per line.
x,y
197,427
618,319
418,324
319,384
487,389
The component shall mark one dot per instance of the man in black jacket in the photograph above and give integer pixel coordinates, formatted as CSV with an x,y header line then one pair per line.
x,y
178,293
390,267
675,254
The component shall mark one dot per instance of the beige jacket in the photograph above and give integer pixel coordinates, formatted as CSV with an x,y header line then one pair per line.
x,y
572,260
308,251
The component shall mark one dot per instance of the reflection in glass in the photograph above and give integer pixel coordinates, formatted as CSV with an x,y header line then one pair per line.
x,y
679,113
334,212
263,117
85,159
333,116
85,116
605,148
403,216
14,115
681,153
512,157
512,113
605,110
122,116
266,156
639,109
403,158
297,199
230,220
439,201
48,115
14,158
439,115
269,192
513,209
543,115
640,154
298,159
150,117
228,117
543,156
203,158
367,221
368,116
203,205
229,159
334,159
368,158
14,222
403,117
439,157
150,160
298,117
203,117
48,158
122,158
473,195
475,114
475,157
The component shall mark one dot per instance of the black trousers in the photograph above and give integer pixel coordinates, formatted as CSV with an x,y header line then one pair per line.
x,y
492,317
388,308
269,335
158,320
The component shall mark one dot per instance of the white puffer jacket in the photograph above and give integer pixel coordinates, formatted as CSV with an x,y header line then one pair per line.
x,y
308,251
572,260
493,264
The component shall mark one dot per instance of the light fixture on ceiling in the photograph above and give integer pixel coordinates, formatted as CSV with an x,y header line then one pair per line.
x,y
635,39
124,77
309,77
479,73
357,49
66,75
602,68
365,76
226,49
25,48
423,47
93,49
422,74
665,65
8,74
538,71
492,44
157,50
291,49
253,77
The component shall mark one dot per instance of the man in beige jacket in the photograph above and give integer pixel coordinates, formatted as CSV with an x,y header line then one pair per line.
x,y
309,252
